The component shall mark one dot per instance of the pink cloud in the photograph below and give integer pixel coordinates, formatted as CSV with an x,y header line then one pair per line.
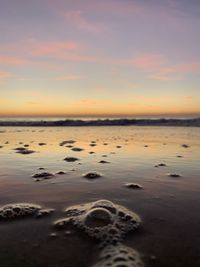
x,y
120,8
51,48
188,97
5,75
166,74
176,72
36,48
145,62
155,66
65,50
114,7
148,62
81,14
74,51
188,67
78,19
7,60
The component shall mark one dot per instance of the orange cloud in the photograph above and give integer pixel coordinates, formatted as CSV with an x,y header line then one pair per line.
x,y
93,102
188,97
156,99
64,106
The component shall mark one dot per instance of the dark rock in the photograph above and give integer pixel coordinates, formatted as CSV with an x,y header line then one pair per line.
x,y
77,149
42,144
93,144
133,186
185,145
25,152
71,159
43,175
67,142
92,175
175,175
160,165
61,172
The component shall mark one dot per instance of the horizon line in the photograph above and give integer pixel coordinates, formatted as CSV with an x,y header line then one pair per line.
x,y
103,116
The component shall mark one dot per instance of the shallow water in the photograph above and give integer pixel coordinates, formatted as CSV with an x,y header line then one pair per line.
x,y
169,207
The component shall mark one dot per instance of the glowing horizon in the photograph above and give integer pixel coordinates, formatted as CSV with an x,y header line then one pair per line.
x,y
99,58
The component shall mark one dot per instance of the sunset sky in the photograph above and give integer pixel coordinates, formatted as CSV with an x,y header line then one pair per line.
x,y
99,57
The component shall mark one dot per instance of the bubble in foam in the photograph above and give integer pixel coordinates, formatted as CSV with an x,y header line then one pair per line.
x,y
12,211
105,204
98,217
119,256
102,219
18,210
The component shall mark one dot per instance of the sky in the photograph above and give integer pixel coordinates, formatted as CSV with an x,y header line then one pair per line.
x,y
99,58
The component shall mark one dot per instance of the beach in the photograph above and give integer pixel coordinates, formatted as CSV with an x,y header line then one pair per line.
x,y
150,157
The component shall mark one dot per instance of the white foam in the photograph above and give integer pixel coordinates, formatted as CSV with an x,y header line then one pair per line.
x,y
119,256
102,220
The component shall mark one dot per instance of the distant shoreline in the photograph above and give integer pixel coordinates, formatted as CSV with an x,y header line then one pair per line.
x,y
195,122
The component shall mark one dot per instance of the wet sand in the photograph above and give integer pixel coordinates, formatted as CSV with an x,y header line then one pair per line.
x,y
169,206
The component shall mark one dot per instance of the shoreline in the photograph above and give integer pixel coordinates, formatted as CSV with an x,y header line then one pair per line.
x,y
195,122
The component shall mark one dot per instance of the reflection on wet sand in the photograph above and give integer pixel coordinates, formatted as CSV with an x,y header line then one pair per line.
x,y
161,161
